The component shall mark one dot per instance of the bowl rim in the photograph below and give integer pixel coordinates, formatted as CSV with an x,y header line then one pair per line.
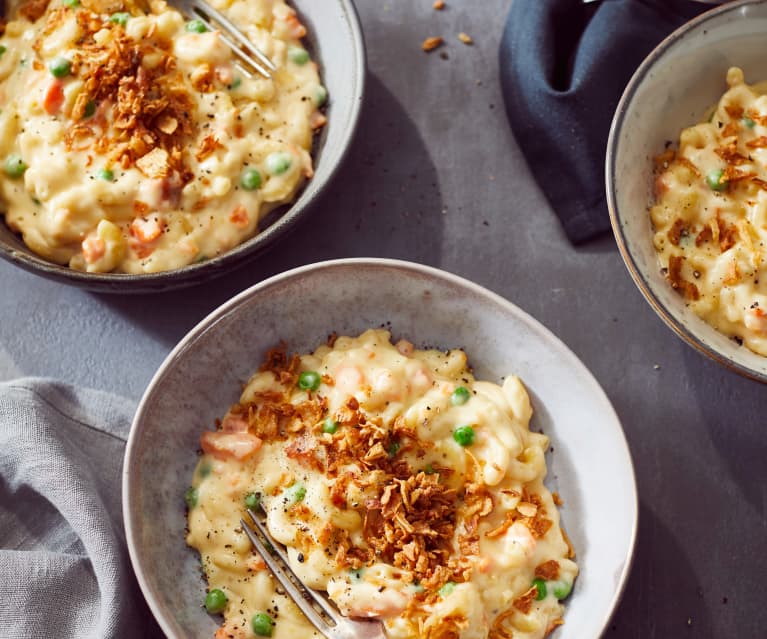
x,y
196,273
610,170
231,305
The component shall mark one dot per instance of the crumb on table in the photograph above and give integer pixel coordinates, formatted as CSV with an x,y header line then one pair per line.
x,y
432,43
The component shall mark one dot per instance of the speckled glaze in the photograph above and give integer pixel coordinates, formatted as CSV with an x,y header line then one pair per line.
x,y
672,89
336,42
204,373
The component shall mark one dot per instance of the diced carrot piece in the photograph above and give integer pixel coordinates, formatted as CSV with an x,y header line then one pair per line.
x,y
54,97
239,216
140,249
146,229
93,249
297,30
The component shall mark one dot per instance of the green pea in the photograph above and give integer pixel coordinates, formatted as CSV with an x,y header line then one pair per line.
x,y
320,95
749,122
329,425
562,589
460,395
235,83
120,18
278,163
190,497
106,174
540,587
715,180
464,435
298,55
295,493
393,448
309,380
14,166
252,500
72,4
215,601
196,26
60,67
250,179
90,109
3,49
262,624
447,589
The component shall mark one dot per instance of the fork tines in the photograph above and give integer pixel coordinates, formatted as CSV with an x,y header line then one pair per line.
x,y
247,52
318,609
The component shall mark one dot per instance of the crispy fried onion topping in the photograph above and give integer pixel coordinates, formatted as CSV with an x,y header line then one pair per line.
x,y
133,105
412,519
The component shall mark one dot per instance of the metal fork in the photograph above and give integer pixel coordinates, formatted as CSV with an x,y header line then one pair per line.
x,y
247,52
316,606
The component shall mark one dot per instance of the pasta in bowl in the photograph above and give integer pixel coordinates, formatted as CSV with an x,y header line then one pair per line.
x,y
407,490
140,154
203,381
710,217
676,87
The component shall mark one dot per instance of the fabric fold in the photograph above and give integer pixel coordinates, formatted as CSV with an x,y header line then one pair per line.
x,y
564,65
63,560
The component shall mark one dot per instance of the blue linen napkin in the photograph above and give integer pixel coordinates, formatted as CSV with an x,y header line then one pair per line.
x,y
64,566
564,65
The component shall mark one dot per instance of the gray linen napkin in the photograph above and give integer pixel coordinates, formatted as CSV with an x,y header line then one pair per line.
x,y
64,566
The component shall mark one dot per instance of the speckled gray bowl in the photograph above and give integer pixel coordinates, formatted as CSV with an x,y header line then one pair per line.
x,y
672,89
335,39
204,373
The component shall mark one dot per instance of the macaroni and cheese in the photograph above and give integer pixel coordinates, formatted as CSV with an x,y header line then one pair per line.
x,y
133,141
710,215
404,488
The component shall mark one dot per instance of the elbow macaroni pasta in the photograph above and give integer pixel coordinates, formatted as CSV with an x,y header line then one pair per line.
x,y
131,140
710,215
371,451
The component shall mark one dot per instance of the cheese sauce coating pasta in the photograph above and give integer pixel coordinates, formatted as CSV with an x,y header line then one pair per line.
x,y
400,485
710,215
132,142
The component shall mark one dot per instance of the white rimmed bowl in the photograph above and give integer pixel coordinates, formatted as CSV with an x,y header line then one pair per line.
x,y
590,467
672,89
336,42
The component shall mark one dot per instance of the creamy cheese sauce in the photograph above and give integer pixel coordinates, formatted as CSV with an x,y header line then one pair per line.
x,y
710,215
407,490
131,140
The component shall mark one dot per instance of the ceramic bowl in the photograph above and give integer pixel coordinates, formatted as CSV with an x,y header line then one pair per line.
x,y
204,373
336,42
671,90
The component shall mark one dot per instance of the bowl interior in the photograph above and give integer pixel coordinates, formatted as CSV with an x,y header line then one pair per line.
x,y
672,90
203,375
335,39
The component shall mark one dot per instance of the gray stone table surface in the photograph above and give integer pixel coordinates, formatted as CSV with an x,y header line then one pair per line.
x,y
436,177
